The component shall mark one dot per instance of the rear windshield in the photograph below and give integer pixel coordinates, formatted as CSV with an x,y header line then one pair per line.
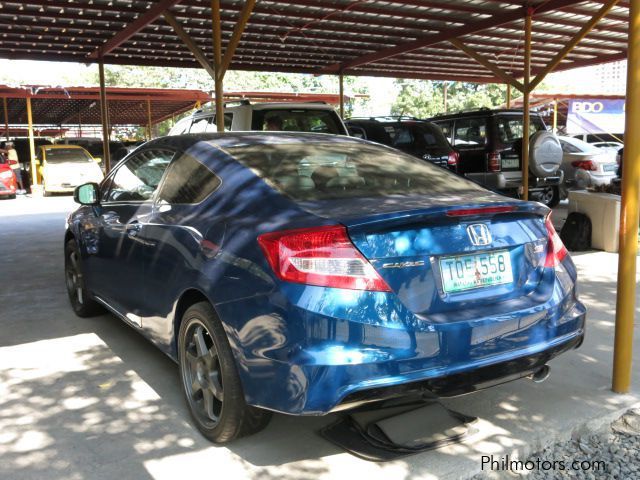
x,y
510,127
61,155
297,120
332,171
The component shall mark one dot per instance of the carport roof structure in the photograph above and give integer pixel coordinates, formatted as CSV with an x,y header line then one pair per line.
x,y
430,39
80,105
515,42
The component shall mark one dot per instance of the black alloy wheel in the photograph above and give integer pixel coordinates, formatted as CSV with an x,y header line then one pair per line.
x,y
81,302
210,379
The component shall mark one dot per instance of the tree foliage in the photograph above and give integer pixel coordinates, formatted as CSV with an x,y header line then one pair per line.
x,y
425,98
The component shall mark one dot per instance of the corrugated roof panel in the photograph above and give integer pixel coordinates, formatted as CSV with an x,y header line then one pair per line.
x,y
316,35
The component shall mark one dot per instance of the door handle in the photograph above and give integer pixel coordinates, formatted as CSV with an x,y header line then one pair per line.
x,y
133,229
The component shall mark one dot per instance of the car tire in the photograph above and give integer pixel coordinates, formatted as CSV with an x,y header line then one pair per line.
x,y
81,302
210,379
550,196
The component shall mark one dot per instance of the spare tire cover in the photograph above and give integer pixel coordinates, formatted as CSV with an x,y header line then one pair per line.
x,y
545,154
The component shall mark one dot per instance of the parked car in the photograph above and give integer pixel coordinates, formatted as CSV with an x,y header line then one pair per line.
x,y
306,273
608,146
8,184
61,168
22,149
585,165
415,137
294,117
489,143
95,147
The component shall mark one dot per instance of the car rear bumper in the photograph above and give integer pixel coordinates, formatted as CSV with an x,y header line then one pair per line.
x,y
467,381
305,363
7,188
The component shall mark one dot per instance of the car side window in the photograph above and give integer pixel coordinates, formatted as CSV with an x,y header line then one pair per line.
x,y
568,148
470,132
187,181
201,125
208,124
138,178
403,137
446,128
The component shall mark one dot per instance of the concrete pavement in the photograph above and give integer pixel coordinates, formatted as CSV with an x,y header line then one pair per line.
x,y
91,399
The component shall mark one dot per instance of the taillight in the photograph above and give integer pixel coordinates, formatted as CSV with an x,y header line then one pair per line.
x,y
585,165
494,161
556,251
322,256
464,212
453,158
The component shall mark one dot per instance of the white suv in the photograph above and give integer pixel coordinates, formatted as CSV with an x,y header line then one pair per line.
x,y
294,117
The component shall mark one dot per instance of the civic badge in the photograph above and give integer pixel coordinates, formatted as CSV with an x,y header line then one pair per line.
x,y
479,234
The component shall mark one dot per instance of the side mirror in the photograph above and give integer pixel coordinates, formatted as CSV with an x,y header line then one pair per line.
x,y
98,159
87,194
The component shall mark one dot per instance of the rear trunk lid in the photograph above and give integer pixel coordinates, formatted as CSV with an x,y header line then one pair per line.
x,y
445,259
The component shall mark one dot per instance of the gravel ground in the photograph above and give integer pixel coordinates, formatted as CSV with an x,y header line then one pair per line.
x,y
612,453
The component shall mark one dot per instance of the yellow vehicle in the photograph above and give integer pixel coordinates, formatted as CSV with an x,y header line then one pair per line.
x,y
61,168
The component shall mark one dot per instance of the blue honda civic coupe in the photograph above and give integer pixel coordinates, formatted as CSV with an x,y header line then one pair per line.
x,y
309,273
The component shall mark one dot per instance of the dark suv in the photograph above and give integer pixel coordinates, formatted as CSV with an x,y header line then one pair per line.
x,y
489,143
416,137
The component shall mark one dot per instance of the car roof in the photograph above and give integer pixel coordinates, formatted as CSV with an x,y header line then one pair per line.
x,y
264,106
237,139
64,145
290,105
480,112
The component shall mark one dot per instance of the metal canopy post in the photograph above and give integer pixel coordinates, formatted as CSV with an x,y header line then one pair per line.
x,y
32,146
508,96
555,115
445,95
216,31
341,90
625,302
6,117
149,122
525,103
104,119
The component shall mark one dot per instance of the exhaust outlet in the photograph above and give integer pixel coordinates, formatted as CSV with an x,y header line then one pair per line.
x,y
541,374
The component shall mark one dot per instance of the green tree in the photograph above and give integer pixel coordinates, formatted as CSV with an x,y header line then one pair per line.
x,y
425,98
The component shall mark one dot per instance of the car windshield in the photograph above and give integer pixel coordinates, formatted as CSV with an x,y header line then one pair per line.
x,y
64,155
510,127
297,120
318,171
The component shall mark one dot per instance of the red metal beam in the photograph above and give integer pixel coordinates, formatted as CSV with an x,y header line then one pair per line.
x,y
134,27
491,22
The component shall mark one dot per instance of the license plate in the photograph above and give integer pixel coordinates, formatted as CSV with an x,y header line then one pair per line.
x,y
464,272
612,167
510,163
